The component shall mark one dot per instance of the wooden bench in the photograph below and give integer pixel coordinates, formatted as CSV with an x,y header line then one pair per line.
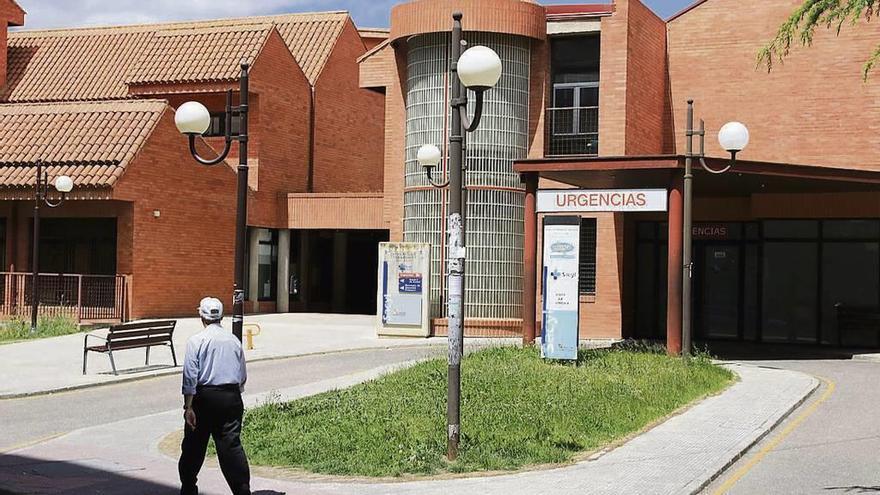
x,y
857,319
132,336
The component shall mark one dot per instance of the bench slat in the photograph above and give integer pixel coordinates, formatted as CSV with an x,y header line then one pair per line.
x,y
133,344
119,336
144,325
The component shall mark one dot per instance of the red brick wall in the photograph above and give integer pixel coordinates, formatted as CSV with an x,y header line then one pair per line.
x,y
278,125
812,109
645,81
540,94
612,81
281,126
186,253
395,137
349,127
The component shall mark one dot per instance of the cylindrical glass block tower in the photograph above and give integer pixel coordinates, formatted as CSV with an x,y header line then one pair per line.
x,y
494,217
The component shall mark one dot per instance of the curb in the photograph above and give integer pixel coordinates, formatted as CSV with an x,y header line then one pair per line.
x,y
747,447
177,369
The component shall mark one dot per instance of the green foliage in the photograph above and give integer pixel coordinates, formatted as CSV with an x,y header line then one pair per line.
x,y
517,410
802,24
52,326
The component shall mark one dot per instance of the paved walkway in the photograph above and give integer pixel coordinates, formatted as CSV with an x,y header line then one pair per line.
x,y
678,457
55,364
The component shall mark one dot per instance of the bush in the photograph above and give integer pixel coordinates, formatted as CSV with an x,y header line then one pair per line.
x,y
47,326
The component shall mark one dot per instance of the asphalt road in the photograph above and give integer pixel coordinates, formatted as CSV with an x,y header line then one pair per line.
x,y
830,445
33,419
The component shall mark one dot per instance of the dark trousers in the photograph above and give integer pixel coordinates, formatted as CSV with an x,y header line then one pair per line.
x,y
219,412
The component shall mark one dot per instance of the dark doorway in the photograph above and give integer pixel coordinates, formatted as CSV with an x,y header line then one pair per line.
x,y
85,246
334,271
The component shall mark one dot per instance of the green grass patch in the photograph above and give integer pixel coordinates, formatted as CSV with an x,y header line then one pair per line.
x,y
18,329
517,410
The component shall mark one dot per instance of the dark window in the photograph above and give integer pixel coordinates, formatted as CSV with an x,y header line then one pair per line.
x,y
587,268
851,229
573,116
791,229
267,264
218,124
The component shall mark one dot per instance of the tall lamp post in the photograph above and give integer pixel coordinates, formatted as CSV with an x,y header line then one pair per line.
x,y
193,119
64,185
733,138
477,69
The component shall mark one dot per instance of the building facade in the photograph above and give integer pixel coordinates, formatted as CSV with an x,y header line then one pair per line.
x,y
780,243
593,97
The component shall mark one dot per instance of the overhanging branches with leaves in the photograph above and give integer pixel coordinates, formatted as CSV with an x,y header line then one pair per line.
x,y
802,23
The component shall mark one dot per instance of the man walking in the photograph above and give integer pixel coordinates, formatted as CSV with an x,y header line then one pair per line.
x,y
214,375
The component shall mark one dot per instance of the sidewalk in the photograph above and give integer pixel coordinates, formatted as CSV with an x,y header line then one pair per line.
x,y
55,364
678,457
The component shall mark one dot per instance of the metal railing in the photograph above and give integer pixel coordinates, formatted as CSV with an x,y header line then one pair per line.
x,y
572,131
80,297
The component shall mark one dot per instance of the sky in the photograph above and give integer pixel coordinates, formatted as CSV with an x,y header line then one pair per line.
x,y
366,13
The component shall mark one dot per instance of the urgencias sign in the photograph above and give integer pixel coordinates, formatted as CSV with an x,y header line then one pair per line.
x,y
604,200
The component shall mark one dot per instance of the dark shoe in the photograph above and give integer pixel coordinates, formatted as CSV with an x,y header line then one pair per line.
x,y
189,490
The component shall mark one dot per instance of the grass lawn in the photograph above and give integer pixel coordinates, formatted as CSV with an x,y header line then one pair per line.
x,y
517,410
16,330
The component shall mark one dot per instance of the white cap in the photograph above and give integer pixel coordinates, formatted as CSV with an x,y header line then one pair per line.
x,y
211,309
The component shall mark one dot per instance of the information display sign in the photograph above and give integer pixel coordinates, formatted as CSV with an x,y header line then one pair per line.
x,y
402,301
561,304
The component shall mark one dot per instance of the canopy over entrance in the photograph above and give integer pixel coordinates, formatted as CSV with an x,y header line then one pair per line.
x,y
746,178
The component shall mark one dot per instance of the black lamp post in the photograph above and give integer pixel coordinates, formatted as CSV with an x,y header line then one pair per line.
x,y
733,137
193,119
64,185
478,69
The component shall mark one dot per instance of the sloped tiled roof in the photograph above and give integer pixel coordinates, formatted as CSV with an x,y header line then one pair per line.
x,y
92,142
198,55
98,63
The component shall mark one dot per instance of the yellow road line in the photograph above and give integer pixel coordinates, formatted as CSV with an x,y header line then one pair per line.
x,y
31,443
738,475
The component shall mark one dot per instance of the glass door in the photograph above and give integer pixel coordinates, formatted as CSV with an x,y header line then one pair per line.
x,y
718,291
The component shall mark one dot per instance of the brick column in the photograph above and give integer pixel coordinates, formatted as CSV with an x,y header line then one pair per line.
x,y
674,269
530,259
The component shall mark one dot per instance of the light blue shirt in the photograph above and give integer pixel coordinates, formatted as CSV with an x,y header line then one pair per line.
x,y
213,357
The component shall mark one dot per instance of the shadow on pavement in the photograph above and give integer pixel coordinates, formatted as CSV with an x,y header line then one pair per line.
x,y
20,475
742,351
25,475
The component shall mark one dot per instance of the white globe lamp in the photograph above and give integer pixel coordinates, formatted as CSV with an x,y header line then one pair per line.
x,y
479,68
429,156
64,184
192,118
733,137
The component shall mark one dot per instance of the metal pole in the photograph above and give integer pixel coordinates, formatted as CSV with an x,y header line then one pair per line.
x,y
687,275
35,262
456,255
241,215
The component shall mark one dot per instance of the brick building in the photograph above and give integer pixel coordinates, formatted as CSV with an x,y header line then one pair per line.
x,y
593,97
150,230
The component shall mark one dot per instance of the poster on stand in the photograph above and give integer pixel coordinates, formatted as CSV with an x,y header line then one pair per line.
x,y
561,302
402,300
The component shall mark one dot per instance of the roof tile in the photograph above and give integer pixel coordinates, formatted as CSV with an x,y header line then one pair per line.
x,y
92,142
99,63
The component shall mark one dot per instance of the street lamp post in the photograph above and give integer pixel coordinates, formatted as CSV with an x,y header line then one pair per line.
x,y
193,119
64,185
478,69
733,137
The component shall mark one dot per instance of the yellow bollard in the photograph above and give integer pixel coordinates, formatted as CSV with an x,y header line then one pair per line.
x,y
251,330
